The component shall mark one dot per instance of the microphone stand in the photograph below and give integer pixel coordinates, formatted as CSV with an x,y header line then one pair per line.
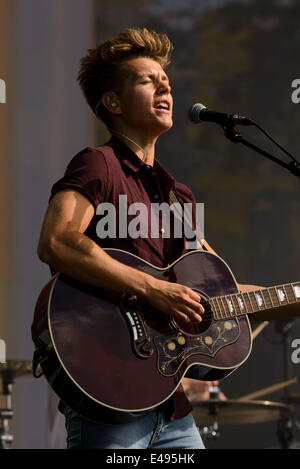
x,y
284,428
236,137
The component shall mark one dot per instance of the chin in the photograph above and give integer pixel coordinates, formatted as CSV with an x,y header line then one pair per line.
x,y
165,127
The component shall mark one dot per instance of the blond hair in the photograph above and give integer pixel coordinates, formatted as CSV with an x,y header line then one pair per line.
x,y
101,69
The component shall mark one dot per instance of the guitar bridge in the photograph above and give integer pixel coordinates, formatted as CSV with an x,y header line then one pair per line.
x,y
141,341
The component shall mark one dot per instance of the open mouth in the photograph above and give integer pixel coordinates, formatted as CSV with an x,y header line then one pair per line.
x,y
162,106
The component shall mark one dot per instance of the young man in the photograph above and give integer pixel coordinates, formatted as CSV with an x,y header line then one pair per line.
x,y
125,84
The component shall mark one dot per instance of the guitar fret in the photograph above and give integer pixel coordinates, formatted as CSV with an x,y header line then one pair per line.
x,y
293,292
212,307
237,304
267,298
249,297
241,303
233,312
275,295
270,297
289,292
237,307
244,300
285,292
230,306
215,307
224,308
296,290
263,298
259,299
220,310
281,294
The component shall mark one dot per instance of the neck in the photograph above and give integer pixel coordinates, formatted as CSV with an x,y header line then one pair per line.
x,y
237,304
144,148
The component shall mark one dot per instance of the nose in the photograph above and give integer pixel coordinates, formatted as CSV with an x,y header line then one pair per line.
x,y
163,86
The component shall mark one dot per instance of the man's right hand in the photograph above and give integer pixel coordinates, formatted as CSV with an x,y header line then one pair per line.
x,y
180,301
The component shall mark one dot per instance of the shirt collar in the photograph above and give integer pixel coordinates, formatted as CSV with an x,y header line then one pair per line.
x,y
128,157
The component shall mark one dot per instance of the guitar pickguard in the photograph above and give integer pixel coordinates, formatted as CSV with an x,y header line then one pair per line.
x,y
175,347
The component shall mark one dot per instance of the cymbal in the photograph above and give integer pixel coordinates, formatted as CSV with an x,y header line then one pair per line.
x,y
234,412
15,369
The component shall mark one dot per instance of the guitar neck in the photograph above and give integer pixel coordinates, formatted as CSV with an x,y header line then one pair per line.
x,y
237,304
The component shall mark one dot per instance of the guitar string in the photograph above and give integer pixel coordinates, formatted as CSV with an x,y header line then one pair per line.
x,y
211,314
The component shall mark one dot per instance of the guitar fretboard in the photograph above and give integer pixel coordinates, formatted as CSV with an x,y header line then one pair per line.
x,y
237,304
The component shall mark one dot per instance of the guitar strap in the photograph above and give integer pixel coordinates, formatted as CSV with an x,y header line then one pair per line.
x,y
185,220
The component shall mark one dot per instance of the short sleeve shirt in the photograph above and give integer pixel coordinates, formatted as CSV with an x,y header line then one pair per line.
x,y
113,178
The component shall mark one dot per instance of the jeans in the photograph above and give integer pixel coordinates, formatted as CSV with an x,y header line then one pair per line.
x,y
154,431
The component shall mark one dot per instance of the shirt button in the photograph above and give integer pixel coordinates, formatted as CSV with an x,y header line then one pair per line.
x,y
148,167
156,197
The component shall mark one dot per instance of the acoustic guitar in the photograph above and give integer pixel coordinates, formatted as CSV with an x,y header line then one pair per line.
x,y
107,356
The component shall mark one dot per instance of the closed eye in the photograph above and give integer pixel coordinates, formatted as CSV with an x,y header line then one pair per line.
x,y
153,78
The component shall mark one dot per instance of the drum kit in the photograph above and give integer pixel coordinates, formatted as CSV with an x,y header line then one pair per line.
x,y
209,415
215,412
9,371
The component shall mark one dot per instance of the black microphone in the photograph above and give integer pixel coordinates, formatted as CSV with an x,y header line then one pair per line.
x,y
199,113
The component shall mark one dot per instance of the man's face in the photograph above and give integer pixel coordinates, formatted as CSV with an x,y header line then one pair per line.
x,y
146,101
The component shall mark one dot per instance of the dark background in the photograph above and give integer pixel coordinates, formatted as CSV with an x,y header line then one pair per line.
x,y
238,57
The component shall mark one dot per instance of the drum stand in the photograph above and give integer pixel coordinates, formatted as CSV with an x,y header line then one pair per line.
x,y
285,427
6,439
10,370
211,432
285,433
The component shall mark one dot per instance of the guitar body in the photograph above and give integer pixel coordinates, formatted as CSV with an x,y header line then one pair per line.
x,y
103,354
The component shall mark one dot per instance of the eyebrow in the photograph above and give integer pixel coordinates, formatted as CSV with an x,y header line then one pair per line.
x,y
150,74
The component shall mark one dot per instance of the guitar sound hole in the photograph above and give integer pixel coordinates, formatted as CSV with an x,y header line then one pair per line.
x,y
194,327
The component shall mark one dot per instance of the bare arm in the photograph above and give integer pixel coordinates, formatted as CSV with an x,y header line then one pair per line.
x,y
199,390
244,288
65,247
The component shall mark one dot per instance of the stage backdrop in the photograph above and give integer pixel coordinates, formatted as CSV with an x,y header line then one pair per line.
x,y
239,57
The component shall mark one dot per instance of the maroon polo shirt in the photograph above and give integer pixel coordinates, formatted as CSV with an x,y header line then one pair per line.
x,y
104,173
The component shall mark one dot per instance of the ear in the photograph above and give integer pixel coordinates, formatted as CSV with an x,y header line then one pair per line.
x,y
111,102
